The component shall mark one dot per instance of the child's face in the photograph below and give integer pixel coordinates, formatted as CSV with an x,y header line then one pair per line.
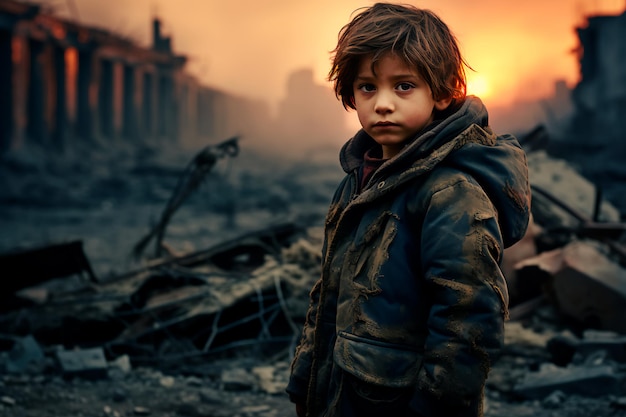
x,y
393,104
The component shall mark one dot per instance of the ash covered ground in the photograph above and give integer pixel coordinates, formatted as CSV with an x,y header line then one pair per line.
x,y
110,199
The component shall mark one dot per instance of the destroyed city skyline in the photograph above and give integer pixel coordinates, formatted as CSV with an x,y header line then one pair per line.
x,y
518,50
281,103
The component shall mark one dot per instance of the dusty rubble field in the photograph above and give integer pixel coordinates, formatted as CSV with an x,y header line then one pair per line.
x,y
141,392
149,392
243,385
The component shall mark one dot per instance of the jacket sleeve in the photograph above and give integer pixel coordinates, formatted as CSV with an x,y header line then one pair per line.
x,y
461,247
301,364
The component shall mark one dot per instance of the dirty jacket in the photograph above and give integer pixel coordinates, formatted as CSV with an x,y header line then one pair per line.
x,y
411,301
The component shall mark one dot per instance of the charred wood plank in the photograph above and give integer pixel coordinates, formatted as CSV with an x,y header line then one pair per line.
x,y
244,252
34,266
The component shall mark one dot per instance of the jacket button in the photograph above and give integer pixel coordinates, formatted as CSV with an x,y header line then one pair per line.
x,y
381,184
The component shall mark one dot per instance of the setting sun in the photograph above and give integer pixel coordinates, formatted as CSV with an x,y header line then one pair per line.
x,y
478,85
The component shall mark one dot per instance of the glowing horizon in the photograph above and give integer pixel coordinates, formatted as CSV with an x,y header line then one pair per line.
x,y
517,51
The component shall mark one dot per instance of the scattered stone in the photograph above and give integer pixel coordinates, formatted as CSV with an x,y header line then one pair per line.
x,y
586,381
255,409
209,396
238,379
268,381
26,356
587,284
6,400
86,363
554,400
596,358
167,381
194,381
121,363
141,411
517,334
612,343
189,396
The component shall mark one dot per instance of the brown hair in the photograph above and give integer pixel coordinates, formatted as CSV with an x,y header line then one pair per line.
x,y
418,36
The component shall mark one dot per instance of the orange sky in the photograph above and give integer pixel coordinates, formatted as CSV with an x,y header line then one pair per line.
x,y
248,47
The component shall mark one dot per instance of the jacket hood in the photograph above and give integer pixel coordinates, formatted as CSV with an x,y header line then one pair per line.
x,y
465,142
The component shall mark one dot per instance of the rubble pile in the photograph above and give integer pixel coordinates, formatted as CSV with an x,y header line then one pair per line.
x,y
252,290
226,319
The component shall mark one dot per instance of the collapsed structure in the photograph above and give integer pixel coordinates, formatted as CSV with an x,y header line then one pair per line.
x,y
63,82
253,290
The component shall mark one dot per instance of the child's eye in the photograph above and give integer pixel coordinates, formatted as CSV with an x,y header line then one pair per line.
x,y
367,88
405,86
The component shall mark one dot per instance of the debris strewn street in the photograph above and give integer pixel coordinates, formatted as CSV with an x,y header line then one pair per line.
x,y
213,331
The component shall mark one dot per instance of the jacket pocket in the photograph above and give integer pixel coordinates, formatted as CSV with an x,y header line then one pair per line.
x,y
376,362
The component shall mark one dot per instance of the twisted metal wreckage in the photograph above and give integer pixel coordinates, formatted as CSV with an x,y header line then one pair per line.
x,y
252,291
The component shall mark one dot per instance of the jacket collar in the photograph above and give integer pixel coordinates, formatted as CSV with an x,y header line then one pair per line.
x,y
470,111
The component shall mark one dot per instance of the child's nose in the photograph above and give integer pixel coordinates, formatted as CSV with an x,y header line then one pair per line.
x,y
384,103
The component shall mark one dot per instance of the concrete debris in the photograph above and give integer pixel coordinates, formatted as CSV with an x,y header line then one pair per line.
x,y
612,343
141,411
167,381
271,378
568,186
6,400
250,288
554,400
543,361
26,356
590,287
593,345
238,380
121,363
516,334
254,409
580,380
574,251
585,283
86,363
250,294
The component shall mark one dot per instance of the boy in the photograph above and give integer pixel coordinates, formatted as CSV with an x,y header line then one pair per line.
x,y
408,314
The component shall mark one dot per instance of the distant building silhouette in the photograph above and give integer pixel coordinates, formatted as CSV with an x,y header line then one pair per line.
x,y
62,83
310,116
596,136
600,96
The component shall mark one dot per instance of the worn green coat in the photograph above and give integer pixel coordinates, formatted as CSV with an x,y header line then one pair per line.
x,y
409,310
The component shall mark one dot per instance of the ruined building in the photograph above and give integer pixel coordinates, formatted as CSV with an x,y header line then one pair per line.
x,y
62,82
600,96
594,139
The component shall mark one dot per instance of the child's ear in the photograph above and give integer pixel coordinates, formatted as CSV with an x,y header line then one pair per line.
x,y
443,104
